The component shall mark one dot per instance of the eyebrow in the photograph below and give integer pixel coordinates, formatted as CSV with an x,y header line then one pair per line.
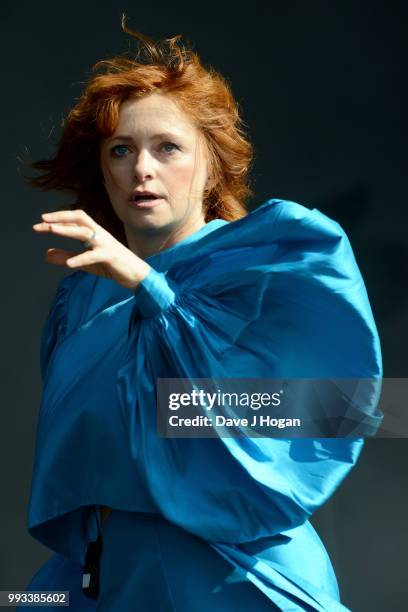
x,y
161,135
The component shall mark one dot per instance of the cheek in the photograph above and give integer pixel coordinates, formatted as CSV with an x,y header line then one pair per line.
x,y
116,177
183,175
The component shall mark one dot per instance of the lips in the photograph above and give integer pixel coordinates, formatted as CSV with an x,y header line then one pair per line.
x,y
144,196
144,200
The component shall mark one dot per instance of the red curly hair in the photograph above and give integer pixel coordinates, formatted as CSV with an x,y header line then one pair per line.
x,y
200,92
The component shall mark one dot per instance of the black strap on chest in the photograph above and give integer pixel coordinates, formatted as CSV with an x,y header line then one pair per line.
x,y
91,572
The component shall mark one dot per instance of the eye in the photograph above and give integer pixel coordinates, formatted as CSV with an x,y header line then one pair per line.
x,y
117,150
170,144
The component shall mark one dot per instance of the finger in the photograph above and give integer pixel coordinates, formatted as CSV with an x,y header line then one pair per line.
x,y
69,230
58,256
46,226
73,260
52,228
87,258
78,215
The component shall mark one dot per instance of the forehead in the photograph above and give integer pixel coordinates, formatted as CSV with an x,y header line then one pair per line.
x,y
153,112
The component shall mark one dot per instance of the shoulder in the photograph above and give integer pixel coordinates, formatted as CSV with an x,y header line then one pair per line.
x,y
291,215
280,222
67,286
69,281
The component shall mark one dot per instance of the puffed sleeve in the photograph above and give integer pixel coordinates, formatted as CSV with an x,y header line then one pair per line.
x,y
275,294
55,324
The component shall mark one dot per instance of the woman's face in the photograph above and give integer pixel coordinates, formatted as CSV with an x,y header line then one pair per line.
x,y
156,148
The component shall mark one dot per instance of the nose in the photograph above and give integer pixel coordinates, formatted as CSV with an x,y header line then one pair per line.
x,y
144,166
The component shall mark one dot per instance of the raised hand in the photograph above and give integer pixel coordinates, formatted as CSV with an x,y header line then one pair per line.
x,y
105,256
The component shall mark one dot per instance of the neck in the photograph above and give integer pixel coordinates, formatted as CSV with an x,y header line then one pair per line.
x,y
147,243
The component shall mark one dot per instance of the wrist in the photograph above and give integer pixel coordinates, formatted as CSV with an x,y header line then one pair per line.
x,y
142,269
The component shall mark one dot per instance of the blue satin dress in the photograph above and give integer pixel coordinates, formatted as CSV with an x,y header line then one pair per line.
x,y
201,523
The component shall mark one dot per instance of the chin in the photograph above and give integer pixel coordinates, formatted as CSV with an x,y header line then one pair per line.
x,y
152,225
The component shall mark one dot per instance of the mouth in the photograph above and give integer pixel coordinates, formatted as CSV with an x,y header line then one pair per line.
x,y
145,200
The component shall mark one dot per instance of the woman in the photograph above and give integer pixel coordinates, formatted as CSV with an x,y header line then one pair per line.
x,y
181,282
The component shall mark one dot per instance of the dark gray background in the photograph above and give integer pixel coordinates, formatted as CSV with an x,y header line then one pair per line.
x,y
322,89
